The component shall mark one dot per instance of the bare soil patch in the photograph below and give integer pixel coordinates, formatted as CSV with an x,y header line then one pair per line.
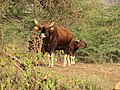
x,y
106,75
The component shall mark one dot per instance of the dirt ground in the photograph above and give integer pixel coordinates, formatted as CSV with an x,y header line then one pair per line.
x,y
105,75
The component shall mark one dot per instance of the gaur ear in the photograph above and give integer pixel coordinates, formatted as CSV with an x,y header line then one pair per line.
x,y
52,29
36,28
78,40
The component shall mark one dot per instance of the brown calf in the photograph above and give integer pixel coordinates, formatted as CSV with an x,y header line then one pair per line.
x,y
74,46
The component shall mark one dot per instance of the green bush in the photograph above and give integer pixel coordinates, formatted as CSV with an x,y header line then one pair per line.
x,y
94,21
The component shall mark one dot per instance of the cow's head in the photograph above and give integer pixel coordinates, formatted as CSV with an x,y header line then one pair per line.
x,y
81,43
46,29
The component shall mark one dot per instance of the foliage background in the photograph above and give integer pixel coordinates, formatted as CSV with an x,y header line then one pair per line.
x,y
95,21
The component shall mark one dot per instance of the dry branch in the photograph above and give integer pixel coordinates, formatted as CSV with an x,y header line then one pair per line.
x,y
2,42
40,47
14,58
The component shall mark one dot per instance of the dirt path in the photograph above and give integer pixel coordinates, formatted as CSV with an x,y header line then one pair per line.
x,y
107,75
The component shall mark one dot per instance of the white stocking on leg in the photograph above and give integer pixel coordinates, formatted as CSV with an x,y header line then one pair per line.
x,y
73,59
49,60
65,60
68,58
52,60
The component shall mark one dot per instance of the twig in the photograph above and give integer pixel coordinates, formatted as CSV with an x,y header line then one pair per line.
x,y
40,47
13,58
2,42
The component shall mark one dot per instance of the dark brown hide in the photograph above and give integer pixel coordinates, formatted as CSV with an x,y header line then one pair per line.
x,y
56,39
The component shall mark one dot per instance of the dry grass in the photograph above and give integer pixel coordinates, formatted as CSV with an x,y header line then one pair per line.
x,y
104,76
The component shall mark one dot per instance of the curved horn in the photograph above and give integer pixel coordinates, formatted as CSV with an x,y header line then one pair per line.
x,y
51,24
36,22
